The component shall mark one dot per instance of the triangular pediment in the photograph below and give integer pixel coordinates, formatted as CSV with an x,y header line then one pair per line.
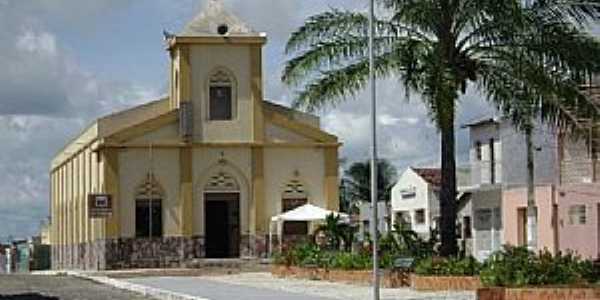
x,y
211,17
279,134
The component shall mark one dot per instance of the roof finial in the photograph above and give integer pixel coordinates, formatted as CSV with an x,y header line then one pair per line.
x,y
211,17
215,4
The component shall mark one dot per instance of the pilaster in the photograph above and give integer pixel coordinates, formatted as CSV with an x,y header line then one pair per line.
x,y
258,220
110,156
186,191
331,178
257,92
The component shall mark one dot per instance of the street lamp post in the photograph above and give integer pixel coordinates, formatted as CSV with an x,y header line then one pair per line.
x,y
373,149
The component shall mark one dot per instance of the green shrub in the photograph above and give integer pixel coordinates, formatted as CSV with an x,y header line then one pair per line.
x,y
448,267
350,261
517,267
299,255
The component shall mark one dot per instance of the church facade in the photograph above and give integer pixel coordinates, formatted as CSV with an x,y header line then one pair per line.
x,y
197,174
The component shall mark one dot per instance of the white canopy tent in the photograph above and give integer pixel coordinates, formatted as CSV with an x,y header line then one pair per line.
x,y
307,212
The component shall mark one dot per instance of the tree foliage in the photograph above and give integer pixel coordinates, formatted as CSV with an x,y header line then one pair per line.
x,y
358,181
438,48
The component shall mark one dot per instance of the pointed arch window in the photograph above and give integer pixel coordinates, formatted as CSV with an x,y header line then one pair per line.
x,y
148,208
222,96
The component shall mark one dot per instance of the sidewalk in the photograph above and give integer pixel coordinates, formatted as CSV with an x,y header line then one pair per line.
x,y
254,286
206,287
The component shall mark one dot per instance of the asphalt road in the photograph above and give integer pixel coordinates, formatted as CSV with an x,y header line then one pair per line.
x,y
200,287
37,287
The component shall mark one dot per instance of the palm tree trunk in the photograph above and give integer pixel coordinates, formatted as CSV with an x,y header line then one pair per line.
x,y
531,208
448,204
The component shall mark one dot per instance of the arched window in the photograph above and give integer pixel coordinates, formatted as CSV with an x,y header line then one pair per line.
x,y
221,103
148,208
293,197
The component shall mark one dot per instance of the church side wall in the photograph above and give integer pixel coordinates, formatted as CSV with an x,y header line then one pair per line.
x,y
282,165
71,228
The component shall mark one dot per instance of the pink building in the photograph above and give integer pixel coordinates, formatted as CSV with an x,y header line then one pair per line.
x,y
578,216
567,218
514,212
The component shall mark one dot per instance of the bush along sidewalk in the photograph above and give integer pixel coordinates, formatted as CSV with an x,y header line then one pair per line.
x,y
448,267
517,273
438,274
519,267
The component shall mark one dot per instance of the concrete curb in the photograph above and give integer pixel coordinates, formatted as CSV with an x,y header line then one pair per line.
x,y
160,294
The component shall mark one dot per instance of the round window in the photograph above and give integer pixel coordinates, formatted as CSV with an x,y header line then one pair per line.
x,y
223,29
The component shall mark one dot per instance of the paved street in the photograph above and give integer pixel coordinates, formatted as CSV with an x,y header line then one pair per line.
x,y
37,287
255,286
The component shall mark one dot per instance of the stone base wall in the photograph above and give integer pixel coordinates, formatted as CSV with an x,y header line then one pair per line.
x,y
445,283
254,246
538,293
144,253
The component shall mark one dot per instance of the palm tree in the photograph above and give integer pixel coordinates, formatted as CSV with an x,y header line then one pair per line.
x,y
357,179
437,48
333,230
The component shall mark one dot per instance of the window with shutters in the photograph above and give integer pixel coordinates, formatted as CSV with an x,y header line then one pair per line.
x,y
577,215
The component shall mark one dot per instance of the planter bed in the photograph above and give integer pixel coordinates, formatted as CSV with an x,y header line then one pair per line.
x,y
445,283
390,279
539,293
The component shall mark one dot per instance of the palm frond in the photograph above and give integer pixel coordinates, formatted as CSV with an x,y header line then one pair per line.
x,y
330,54
324,25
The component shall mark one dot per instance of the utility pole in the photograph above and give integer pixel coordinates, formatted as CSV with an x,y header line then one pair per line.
x,y
374,193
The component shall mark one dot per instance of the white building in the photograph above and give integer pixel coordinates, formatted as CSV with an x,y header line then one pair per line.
x,y
485,192
415,199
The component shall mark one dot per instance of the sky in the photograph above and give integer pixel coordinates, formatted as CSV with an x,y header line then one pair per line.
x,y
67,62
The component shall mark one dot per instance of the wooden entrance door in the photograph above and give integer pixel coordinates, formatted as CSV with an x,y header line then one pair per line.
x,y
522,226
222,225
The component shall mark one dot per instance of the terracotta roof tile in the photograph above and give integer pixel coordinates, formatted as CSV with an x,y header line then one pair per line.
x,y
432,176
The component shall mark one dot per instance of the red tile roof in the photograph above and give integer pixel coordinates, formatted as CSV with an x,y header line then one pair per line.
x,y
432,176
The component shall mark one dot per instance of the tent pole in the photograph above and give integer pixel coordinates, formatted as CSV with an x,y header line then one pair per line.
x,y
270,239
280,235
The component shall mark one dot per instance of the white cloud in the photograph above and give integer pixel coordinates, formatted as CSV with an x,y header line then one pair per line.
x,y
41,43
46,97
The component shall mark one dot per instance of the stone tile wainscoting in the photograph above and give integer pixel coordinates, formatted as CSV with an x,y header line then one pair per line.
x,y
144,253
128,253
538,294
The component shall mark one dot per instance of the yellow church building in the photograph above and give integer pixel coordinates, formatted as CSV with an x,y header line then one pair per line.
x,y
197,174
